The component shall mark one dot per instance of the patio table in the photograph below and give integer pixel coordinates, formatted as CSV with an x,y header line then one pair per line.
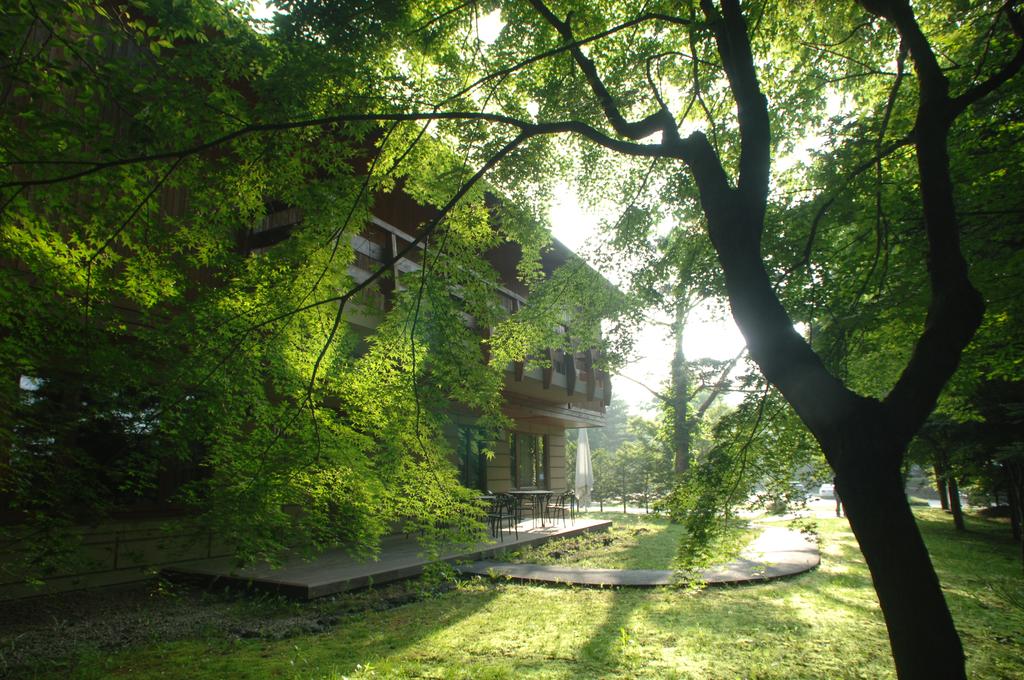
x,y
539,498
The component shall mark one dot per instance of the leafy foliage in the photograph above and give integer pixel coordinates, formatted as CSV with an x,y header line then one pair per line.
x,y
762,458
860,242
160,324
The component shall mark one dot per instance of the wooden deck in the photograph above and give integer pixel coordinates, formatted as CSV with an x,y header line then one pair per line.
x,y
335,571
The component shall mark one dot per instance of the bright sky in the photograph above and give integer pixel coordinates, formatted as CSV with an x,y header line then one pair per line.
x,y
710,333
260,10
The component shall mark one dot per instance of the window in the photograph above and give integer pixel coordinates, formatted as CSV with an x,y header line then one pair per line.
x,y
529,455
472,461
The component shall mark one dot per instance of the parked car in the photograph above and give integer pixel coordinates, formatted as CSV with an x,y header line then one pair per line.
x,y
827,490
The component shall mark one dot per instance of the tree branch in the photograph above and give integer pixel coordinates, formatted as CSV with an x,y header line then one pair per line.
x,y
956,307
1008,70
443,15
730,31
885,152
881,221
720,386
532,129
508,70
934,84
662,397
697,95
659,121
131,216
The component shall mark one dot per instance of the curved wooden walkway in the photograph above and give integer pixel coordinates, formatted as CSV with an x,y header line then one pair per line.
x,y
777,553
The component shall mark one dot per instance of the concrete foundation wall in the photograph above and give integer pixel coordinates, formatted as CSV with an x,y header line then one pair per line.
x,y
114,553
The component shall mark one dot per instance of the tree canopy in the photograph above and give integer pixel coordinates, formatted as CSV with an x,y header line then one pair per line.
x,y
153,333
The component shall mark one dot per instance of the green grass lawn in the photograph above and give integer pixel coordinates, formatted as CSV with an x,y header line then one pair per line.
x,y
633,542
823,624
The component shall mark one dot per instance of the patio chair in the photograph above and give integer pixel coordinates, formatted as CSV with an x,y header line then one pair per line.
x,y
502,515
514,501
574,503
522,505
559,505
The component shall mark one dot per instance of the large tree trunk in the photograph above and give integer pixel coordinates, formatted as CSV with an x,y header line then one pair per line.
x,y
940,484
951,489
680,395
924,640
682,438
1014,482
864,440
954,503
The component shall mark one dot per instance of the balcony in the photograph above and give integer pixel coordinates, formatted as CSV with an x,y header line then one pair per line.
x,y
569,378
376,245
367,307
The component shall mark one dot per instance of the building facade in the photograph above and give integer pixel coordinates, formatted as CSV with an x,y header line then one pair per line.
x,y
571,392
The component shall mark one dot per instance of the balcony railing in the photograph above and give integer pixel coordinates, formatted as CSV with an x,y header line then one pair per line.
x,y
567,377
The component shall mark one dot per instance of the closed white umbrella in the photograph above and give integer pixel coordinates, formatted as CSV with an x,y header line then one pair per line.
x,y
584,470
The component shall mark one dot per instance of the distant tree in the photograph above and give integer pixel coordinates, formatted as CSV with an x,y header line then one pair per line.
x,y
638,469
672,282
615,431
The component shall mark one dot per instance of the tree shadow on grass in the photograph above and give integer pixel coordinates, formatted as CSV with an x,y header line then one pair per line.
x,y
739,631
617,640
641,541
636,638
825,623
980,575
656,548
271,636
383,637
989,537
